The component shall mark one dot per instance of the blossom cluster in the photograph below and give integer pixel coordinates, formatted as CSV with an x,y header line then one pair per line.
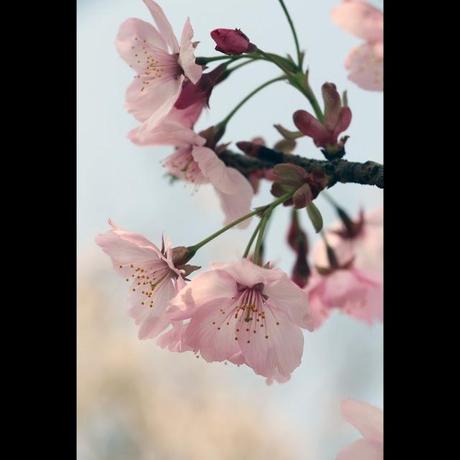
x,y
246,312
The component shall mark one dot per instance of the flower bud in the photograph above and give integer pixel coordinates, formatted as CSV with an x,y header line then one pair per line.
x,y
232,41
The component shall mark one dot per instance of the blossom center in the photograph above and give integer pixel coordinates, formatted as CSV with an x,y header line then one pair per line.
x,y
147,283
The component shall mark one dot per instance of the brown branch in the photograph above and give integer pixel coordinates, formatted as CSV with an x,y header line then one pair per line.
x,y
368,173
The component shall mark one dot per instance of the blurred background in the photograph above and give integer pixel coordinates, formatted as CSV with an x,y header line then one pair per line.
x,y
135,401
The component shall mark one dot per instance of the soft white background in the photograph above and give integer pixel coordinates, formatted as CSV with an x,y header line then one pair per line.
x,y
120,180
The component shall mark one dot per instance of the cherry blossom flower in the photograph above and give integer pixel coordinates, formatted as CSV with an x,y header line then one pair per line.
x,y
244,313
161,62
369,421
352,291
365,62
175,127
361,239
153,277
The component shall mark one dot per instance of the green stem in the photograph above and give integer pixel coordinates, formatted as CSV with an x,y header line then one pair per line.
x,y
193,249
224,122
251,240
294,33
263,225
232,69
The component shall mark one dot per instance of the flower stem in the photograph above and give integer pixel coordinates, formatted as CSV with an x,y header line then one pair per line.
x,y
263,225
294,33
262,209
224,122
251,240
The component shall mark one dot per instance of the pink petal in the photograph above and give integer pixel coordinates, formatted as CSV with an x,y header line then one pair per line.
x,y
153,102
204,288
366,418
361,450
163,25
128,249
182,165
280,353
249,274
365,64
233,189
152,319
173,339
187,54
286,296
132,36
212,331
165,133
359,18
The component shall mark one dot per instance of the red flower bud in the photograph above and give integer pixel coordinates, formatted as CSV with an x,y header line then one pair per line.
x,y
232,41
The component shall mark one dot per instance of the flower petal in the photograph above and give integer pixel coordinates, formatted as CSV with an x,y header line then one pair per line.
x,y
134,35
365,417
191,70
212,331
150,103
365,64
233,189
163,25
152,318
286,296
204,288
360,19
277,355
361,450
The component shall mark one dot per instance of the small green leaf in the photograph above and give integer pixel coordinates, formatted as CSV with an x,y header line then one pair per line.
x,y
315,217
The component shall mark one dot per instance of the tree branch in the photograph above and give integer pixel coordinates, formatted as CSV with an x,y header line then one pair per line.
x,y
368,173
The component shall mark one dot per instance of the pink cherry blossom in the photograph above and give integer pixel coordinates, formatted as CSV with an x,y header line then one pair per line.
x,y
349,290
161,63
175,127
365,62
369,421
363,241
244,313
153,279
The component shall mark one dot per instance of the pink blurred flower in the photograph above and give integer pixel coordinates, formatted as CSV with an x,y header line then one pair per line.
x,y
349,290
161,63
369,421
232,41
244,313
337,118
364,62
362,240
153,277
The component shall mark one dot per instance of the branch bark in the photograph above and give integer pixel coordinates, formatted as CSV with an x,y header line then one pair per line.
x,y
368,173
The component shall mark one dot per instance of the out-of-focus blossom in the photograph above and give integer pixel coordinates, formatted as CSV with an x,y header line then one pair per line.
x,y
162,64
362,239
349,290
337,118
369,421
365,62
337,283
153,277
232,41
244,313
